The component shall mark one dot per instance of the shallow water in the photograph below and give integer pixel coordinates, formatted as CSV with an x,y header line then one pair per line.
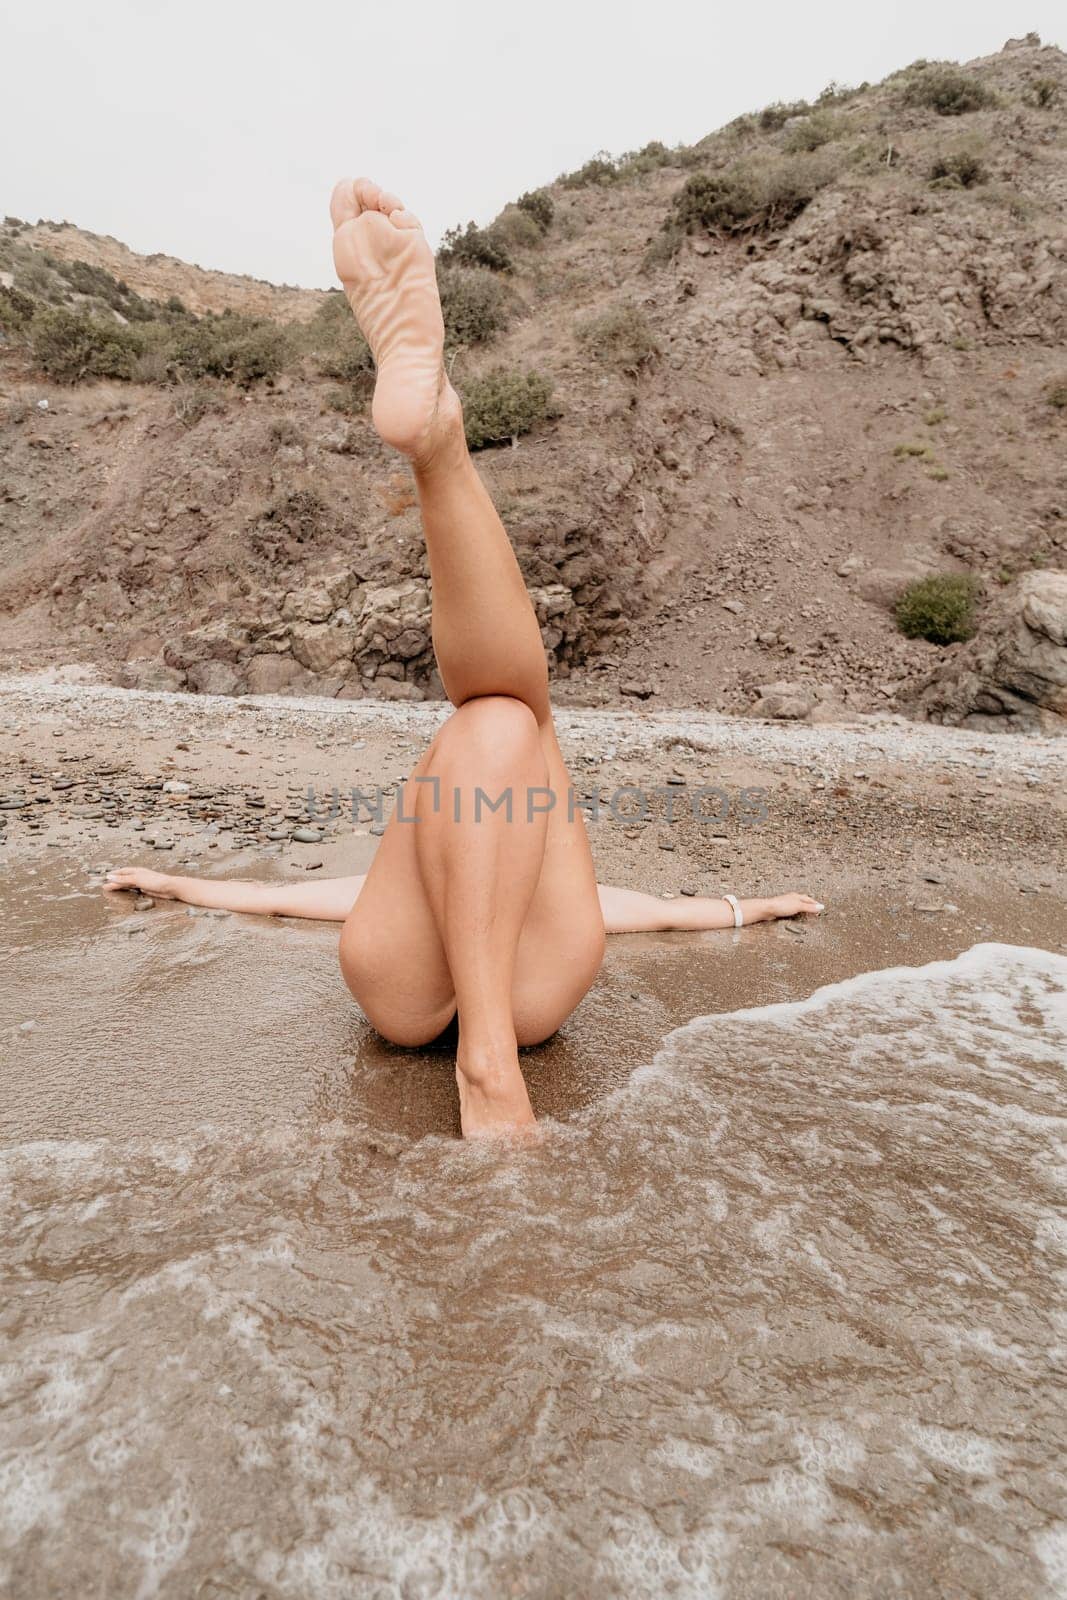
x,y
776,1310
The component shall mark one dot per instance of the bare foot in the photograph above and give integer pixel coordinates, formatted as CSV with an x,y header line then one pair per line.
x,y
387,269
493,1102
795,905
156,884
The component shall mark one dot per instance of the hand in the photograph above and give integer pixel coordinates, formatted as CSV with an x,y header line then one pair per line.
x,y
795,905
156,884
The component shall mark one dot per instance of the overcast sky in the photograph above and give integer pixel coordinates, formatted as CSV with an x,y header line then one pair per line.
x,y
213,131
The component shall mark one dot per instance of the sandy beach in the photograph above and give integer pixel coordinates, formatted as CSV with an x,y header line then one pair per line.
x,y
752,1319
922,842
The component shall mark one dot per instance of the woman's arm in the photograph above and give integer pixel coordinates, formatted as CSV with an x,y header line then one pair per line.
x,y
326,899
628,911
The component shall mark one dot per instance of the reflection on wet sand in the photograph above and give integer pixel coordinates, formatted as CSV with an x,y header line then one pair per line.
x,y
771,1310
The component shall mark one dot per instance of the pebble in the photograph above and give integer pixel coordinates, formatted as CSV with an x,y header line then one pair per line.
x,y
687,889
308,836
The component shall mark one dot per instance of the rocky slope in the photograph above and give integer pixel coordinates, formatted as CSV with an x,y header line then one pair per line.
x,y
766,426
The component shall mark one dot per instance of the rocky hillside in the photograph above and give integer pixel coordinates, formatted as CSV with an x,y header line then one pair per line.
x,y
732,400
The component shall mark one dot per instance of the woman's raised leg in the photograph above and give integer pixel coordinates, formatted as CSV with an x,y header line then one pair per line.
x,y
514,934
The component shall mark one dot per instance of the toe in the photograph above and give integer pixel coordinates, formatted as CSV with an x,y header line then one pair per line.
x,y
368,193
404,219
344,203
389,202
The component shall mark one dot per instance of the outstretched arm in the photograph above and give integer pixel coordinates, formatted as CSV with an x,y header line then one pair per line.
x,y
325,899
628,911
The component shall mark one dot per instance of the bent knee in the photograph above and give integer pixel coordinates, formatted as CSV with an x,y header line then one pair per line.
x,y
496,723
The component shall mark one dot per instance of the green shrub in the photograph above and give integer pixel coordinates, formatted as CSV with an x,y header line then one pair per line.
x,y
537,203
599,172
475,303
939,608
775,116
474,247
718,203
748,197
337,347
649,158
502,404
242,349
620,337
70,346
961,169
1056,393
16,310
813,131
1044,92
911,447
95,283
514,230
34,276
947,90
836,94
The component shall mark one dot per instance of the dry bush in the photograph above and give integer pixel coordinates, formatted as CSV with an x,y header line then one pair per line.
x,y
620,337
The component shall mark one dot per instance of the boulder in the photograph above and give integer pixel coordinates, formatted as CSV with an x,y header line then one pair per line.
x,y
786,702
394,622
1032,661
276,674
1016,669
307,605
882,585
141,673
213,677
322,646
216,641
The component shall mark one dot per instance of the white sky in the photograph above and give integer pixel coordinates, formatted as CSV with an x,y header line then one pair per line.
x,y
213,131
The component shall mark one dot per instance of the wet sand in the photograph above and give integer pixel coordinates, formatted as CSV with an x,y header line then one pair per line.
x,y
770,1310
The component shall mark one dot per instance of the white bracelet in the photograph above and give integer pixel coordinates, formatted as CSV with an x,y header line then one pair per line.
x,y
735,906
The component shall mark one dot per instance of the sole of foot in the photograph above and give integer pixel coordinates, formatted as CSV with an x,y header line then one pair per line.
x,y
386,268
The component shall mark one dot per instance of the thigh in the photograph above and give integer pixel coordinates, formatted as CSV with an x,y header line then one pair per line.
x,y
561,947
394,963
391,954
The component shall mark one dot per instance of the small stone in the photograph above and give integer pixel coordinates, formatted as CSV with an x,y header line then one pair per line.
x,y
687,889
175,786
306,836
